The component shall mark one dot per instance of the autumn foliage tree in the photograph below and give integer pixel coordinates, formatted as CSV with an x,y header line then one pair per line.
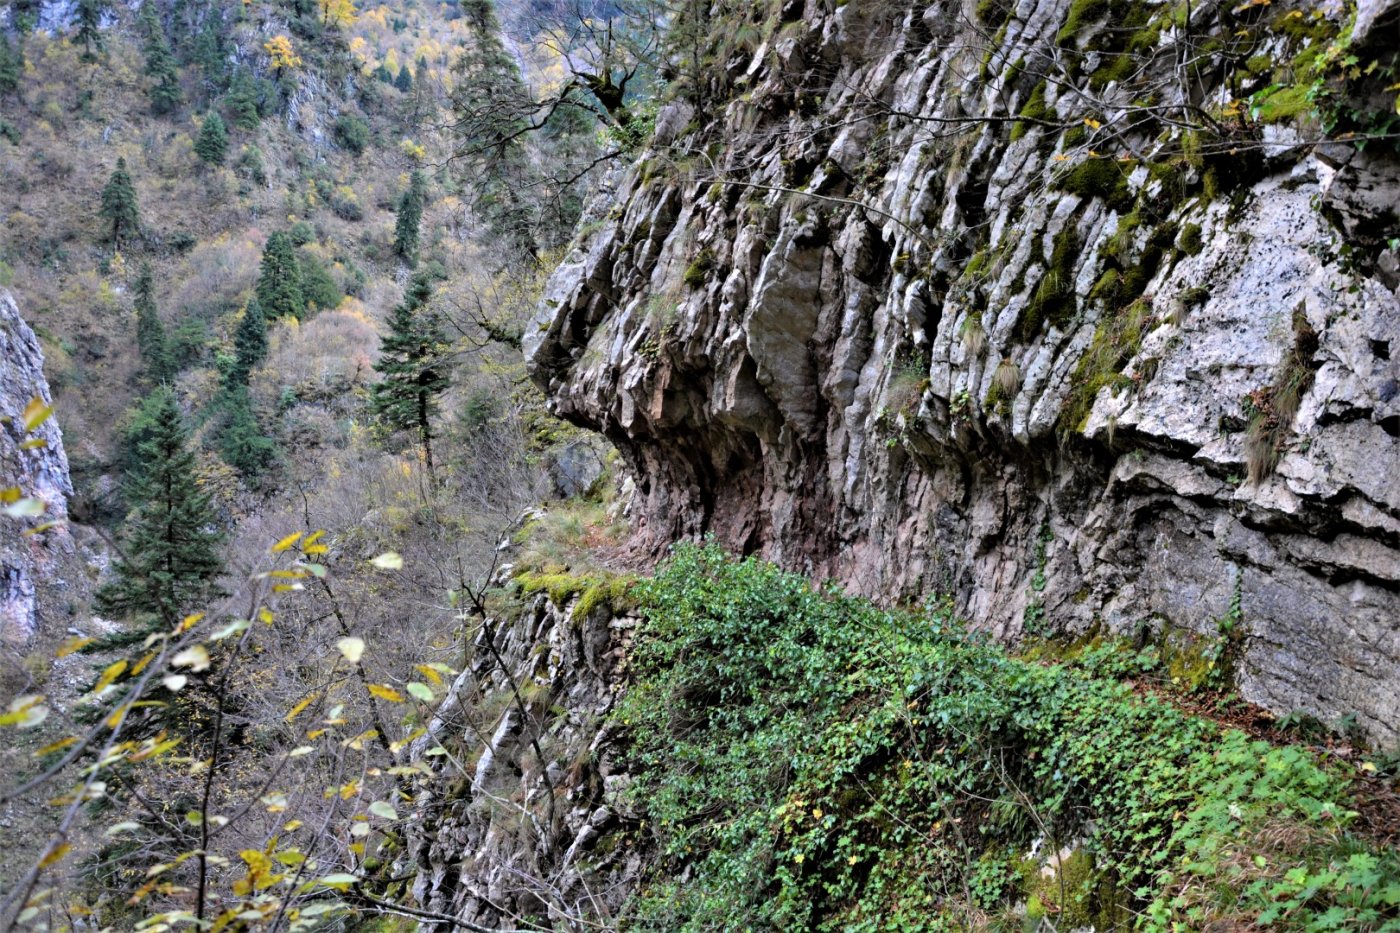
x,y
337,13
282,55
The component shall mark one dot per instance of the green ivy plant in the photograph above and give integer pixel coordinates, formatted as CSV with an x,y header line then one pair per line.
x,y
806,760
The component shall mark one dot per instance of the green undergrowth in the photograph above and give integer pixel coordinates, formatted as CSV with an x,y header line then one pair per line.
x,y
805,760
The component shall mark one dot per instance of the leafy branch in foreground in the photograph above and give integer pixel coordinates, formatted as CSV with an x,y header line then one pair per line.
x,y
166,813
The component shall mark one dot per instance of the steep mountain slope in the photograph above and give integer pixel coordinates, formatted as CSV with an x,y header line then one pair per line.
x,y
1072,311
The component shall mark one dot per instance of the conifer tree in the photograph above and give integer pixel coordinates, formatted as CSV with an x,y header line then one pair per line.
x,y
212,143
242,443
11,65
491,101
157,365
25,14
170,556
210,52
119,203
411,362
410,217
242,100
249,343
160,62
404,82
279,288
88,17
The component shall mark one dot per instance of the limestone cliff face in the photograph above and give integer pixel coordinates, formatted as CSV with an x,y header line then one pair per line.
x,y
923,298
40,471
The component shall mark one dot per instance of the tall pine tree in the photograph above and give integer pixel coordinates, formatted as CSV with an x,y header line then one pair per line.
x,y
119,204
160,62
211,145
412,363
410,218
242,443
170,555
242,100
492,110
157,364
11,65
249,343
88,18
279,288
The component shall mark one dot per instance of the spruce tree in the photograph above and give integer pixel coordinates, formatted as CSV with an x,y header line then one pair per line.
x,y
11,65
249,343
88,18
279,288
241,441
210,51
160,62
410,217
242,100
411,362
170,555
492,109
212,143
119,203
404,82
157,365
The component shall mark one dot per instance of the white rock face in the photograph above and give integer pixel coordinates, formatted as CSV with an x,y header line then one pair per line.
x,y
40,472
820,387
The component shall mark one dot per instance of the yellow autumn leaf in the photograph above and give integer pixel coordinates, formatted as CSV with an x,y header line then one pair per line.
x,y
286,542
385,692
195,657
36,413
300,708
76,643
56,853
109,676
55,746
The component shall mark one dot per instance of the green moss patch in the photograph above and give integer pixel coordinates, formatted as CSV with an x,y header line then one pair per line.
x,y
1054,298
592,590
1105,179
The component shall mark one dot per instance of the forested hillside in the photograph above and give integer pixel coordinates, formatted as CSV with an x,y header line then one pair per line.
x,y
277,291
695,465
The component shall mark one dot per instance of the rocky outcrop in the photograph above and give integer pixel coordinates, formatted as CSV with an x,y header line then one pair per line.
x,y
34,463
1012,304
526,819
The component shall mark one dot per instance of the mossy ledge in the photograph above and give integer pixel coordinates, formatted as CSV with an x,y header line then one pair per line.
x,y
592,590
